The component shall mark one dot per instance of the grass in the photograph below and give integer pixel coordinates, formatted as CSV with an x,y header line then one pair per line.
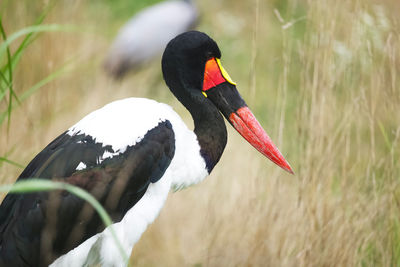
x,y
323,79
11,61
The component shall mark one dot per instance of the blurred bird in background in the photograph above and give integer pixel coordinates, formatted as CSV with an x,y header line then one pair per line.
x,y
145,36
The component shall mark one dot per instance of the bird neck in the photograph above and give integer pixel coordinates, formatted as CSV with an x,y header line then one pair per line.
x,y
209,127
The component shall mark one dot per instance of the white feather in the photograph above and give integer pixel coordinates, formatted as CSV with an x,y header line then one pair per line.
x,y
81,166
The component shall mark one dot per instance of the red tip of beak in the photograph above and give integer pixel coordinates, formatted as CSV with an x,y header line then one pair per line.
x,y
247,125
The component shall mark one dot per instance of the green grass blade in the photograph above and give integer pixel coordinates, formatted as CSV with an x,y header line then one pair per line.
x,y
34,29
46,80
10,74
9,107
3,90
29,38
19,52
38,85
12,62
4,36
38,185
12,162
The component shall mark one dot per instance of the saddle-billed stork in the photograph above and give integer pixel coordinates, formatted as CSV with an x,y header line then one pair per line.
x,y
128,155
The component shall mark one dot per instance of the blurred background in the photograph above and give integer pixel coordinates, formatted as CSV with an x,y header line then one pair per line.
x,y
322,77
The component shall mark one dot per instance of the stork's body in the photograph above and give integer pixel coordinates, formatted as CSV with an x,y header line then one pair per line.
x,y
128,155
187,167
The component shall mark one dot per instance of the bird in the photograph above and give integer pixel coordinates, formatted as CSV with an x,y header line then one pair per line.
x,y
145,36
129,155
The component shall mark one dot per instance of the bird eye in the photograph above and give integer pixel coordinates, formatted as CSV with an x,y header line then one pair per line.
x,y
209,54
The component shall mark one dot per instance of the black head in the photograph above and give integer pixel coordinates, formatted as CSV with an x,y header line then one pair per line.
x,y
184,60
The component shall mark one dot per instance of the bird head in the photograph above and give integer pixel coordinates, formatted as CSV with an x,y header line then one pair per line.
x,y
193,71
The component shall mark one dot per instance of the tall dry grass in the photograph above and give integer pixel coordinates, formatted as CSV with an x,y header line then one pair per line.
x,y
322,77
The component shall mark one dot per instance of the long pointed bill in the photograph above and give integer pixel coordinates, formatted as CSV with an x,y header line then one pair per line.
x,y
247,125
221,90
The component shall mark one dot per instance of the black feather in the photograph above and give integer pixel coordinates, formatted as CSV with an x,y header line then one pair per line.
x,y
37,228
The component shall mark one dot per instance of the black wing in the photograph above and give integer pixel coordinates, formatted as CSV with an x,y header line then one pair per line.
x,y
37,228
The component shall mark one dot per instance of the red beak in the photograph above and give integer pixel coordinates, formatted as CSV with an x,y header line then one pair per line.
x,y
247,125
221,90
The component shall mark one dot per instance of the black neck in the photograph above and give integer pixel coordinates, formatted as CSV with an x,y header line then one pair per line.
x,y
184,73
209,125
